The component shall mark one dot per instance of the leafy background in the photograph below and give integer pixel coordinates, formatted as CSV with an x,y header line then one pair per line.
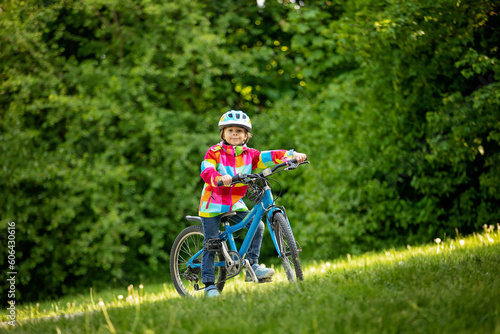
x,y
108,107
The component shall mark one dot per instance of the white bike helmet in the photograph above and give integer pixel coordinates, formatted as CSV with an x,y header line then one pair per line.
x,y
235,118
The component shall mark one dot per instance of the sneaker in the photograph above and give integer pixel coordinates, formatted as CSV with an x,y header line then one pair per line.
x,y
263,274
211,291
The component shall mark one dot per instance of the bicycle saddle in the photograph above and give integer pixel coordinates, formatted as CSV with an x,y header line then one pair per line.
x,y
194,219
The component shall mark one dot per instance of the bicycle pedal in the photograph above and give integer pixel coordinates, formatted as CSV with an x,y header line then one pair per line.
x,y
213,245
265,280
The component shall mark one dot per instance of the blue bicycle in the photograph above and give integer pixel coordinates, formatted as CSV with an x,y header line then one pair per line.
x,y
185,257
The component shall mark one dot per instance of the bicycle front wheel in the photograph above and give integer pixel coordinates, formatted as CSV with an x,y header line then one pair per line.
x,y
288,248
186,279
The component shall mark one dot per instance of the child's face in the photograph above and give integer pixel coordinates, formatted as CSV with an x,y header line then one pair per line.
x,y
235,135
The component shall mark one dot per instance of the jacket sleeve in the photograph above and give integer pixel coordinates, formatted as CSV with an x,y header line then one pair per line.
x,y
266,159
209,172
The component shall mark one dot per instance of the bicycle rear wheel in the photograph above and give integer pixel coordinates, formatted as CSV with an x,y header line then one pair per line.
x,y
185,278
288,248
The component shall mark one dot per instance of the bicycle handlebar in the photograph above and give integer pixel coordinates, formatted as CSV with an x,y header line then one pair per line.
x,y
246,177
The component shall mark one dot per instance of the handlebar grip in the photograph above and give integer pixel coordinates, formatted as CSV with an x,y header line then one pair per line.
x,y
238,177
294,161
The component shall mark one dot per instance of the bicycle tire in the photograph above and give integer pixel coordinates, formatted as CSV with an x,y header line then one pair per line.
x,y
188,243
288,248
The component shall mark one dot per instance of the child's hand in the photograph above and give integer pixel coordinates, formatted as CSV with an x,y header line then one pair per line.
x,y
301,157
227,179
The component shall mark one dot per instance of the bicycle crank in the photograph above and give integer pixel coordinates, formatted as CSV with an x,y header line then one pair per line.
x,y
233,267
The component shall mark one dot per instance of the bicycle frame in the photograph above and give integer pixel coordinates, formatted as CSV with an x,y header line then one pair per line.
x,y
265,206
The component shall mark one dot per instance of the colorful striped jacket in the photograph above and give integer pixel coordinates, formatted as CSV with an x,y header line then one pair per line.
x,y
222,159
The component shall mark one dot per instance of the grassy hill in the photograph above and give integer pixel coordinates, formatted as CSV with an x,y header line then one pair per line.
x,y
450,286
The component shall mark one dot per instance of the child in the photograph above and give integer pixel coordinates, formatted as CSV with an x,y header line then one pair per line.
x,y
222,161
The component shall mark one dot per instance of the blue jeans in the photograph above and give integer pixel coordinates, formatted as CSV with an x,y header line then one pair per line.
x,y
211,230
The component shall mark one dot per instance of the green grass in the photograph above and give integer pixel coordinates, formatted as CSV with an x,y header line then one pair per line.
x,y
447,287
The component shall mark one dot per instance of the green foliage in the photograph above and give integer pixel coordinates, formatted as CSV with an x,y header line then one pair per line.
x,y
107,109
384,111
104,122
